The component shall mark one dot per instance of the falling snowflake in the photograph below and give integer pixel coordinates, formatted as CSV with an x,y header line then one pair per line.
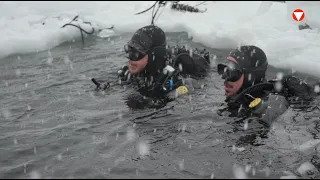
x,y
245,125
267,171
257,63
18,72
19,58
238,172
15,142
180,67
247,168
279,75
189,35
117,136
7,84
66,60
35,150
253,51
6,113
278,86
316,89
249,77
184,128
130,134
29,108
93,137
35,175
49,60
212,176
59,157
233,148
143,148
181,165
253,172
154,130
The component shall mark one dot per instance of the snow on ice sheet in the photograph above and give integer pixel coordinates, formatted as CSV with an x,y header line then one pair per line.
x,y
225,25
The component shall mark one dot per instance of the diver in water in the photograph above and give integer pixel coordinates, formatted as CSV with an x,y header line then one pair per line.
x,y
249,93
159,72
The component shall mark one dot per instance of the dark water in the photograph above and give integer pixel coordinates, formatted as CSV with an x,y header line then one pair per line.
x,y
54,125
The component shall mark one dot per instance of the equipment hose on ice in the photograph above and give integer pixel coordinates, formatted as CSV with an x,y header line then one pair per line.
x,y
175,6
82,30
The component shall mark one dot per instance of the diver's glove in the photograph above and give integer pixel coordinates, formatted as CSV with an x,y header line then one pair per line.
x,y
123,73
101,86
294,86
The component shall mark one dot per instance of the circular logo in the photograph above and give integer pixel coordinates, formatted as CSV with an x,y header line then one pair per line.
x,y
298,15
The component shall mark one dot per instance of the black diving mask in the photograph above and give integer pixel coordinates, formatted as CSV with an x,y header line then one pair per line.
x,y
230,71
134,54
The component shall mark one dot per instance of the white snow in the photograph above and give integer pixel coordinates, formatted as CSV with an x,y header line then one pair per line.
x,y
268,25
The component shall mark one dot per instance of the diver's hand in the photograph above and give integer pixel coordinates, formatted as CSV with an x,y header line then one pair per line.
x,y
101,86
296,87
123,73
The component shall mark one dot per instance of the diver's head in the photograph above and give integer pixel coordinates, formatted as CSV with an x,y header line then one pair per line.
x,y
146,50
244,67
